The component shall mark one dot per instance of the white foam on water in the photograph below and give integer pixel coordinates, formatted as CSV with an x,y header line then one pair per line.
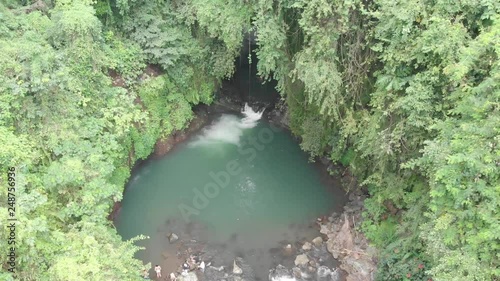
x,y
229,128
251,117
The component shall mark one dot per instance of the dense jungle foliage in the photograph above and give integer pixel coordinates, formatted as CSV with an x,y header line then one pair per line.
x,y
404,93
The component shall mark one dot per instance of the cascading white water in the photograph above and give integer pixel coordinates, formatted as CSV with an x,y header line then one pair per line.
x,y
229,128
251,117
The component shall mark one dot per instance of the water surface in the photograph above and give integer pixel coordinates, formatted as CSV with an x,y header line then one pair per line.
x,y
239,185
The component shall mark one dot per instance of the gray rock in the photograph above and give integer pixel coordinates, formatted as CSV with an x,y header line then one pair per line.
x,y
360,268
326,229
323,273
352,196
307,246
301,260
330,245
173,237
317,241
336,276
280,272
297,273
236,268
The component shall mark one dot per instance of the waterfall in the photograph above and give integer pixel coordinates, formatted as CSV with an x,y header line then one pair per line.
x,y
251,117
229,128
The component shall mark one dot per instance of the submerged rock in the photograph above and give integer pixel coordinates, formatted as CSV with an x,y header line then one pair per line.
x,y
317,241
172,238
301,260
307,246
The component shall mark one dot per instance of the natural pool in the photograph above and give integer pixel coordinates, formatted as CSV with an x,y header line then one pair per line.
x,y
240,185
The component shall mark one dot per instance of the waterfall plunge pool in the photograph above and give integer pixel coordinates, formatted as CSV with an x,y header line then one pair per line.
x,y
238,188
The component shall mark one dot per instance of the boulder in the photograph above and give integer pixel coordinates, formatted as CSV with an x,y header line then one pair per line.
x,y
326,229
336,276
307,246
301,260
173,237
323,273
330,246
317,241
236,268
280,273
358,268
297,273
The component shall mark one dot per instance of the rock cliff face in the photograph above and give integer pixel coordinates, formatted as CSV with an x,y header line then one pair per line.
x,y
278,115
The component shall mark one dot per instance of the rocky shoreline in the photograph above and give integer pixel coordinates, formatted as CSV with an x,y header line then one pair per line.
x,y
340,234
338,239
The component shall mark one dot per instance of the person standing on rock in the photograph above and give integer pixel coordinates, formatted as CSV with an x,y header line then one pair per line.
x,y
158,271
